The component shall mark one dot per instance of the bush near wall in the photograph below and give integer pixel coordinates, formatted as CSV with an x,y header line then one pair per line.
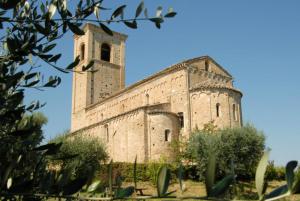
x,y
242,146
146,172
79,154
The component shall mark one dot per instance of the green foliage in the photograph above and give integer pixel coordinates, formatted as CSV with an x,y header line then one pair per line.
x,y
180,177
242,146
152,171
127,172
29,31
275,173
179,147
135,172
78,154
16,147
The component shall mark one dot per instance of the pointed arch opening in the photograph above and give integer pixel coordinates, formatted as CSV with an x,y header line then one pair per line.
x,y
106,133
82,51
234,112
105,52
181,119
218,108
167,135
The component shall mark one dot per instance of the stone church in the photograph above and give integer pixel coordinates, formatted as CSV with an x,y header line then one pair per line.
x,y
144,118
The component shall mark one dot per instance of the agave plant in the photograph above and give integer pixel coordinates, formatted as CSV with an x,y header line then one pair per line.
x,y
218,189
291,187
163,181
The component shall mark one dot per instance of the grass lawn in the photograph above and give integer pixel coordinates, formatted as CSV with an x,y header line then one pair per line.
x,y
246,190
192,188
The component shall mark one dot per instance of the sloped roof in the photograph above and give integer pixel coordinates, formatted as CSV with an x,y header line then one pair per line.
x,y
172,68
190,61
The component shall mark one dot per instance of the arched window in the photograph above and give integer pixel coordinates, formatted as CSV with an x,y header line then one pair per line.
x,y
167,135
234,112
206,65
181,119
218,107
106,132
82,49
105,52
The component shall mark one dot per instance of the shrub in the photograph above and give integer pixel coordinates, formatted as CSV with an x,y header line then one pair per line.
x,y
79,154
275,173
145,171
242,146
122,169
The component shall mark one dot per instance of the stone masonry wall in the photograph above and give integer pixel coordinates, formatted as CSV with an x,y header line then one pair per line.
x,y
169,88
163,130
204,107
124,136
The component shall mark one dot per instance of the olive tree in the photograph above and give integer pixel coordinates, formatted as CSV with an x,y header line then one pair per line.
x,y
30,30
242,147
78,153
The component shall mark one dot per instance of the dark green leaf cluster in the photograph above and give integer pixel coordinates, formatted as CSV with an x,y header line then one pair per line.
x,y
54,168
16,147
30,30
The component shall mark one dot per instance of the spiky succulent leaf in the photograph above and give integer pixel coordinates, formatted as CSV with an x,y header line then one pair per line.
x,y
289,173
210,173
277,192
110,177
180,176
163,181
94,186
296,186
260,173
134,173
222,186
124,192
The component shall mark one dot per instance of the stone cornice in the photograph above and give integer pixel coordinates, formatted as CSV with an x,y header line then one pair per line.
x,y
195,70
93,27
182,65
162,112
189,61
106,63
145,107
211,86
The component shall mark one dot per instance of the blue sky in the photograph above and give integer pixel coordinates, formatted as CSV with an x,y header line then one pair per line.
x,y
257,41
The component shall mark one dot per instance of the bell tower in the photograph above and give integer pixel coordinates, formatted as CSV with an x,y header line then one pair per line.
x,y
107,76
